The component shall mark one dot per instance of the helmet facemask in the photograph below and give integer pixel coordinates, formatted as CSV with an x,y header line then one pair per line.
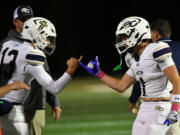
x,y
121,44
47,45
50,48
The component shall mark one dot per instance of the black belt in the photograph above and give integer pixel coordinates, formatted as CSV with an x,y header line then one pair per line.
x,y
158,101
161,101
16,103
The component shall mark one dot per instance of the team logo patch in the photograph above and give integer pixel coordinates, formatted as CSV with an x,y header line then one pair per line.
x,y
25,10
159,108
131,23
139,72
43,24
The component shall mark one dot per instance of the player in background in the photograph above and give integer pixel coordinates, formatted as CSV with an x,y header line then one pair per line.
x,y
161,32
154,68
38,37
5,107
34,105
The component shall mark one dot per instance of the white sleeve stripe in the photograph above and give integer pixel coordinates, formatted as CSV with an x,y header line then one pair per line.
x,y
161,47
35,59
37,53
163,56
34,62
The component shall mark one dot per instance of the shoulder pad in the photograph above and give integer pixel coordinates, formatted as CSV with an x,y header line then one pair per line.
x,y
35,58
162,51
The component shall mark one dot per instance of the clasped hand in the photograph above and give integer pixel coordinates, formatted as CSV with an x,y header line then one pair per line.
x,y
92,67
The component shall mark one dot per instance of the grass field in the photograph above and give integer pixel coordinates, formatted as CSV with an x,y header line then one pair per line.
x,y
91,108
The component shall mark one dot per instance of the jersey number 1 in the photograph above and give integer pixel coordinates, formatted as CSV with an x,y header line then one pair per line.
x,y
143,86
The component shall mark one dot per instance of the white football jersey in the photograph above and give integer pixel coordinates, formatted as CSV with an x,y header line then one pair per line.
x,y
28,65
149,70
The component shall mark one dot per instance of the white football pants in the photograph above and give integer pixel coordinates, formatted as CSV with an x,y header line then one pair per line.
x,y
150,118
14,123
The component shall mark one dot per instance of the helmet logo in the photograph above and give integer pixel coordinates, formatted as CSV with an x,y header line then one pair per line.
x,y
131,23
43,24
25,10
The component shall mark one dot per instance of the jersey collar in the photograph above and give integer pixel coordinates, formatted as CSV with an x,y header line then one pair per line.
x,y
165,39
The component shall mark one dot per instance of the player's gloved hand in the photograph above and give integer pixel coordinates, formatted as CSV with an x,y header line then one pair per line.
x,y
171,118
93,68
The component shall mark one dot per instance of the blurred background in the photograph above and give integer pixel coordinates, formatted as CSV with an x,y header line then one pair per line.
x,y
87,27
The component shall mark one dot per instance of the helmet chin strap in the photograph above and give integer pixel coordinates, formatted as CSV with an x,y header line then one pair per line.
x,y
118,67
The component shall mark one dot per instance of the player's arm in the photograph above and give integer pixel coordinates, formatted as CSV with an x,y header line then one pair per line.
x,y
119,85
45,80
133,99
13,86
136,93
162,54
53,101
173,76
35,61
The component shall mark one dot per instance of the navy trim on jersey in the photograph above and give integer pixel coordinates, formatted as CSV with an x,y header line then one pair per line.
x,y
161,52
165,39
35,57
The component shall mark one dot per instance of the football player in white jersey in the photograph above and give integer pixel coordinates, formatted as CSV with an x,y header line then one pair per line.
x,y
154,68
26,60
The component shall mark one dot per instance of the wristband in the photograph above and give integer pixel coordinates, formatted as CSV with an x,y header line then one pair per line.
x,y
175,98
175,107
101,74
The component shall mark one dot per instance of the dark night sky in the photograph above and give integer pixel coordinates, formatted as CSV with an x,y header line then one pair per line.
x,y
88,27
